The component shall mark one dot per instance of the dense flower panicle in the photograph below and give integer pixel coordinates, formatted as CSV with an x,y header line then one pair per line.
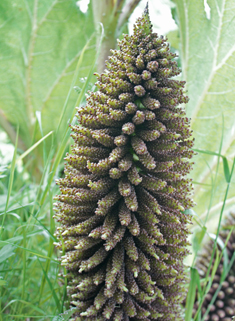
x,y
223,307
123,230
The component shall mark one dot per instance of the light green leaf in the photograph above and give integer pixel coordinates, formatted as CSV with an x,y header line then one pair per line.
x,y
41,41
173,38
6,252
208,66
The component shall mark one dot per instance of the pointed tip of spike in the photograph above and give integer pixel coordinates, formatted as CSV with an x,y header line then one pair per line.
x,y
143,25
146,10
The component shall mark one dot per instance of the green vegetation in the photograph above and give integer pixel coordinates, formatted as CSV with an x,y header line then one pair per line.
x,y
47,48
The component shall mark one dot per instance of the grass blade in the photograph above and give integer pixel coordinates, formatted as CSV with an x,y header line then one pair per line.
x,y
226,169
33,252
25,303
57,302
11,179
79,63
33,147
191,293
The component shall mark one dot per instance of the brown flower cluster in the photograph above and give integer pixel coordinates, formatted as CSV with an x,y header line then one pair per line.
x,y
224,306
123,228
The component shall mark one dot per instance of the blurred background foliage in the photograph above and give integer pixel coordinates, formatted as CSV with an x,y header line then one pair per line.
x,y
48,49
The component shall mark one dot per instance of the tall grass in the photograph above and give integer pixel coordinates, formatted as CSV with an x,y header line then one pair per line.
x,y
31,286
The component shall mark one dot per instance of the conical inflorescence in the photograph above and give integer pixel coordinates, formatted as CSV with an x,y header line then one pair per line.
x,y
223,308
121,208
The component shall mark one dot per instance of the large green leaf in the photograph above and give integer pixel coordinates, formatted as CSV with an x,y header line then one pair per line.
x,y
41,41
208,66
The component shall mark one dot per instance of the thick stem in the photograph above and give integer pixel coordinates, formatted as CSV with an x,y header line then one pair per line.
x,y
126,12
113,16
106,12
107,44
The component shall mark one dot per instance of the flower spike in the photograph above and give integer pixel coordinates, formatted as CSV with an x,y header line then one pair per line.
x,y
122,225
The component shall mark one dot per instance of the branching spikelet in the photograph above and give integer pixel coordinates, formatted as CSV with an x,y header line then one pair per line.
x,y
223,307
122,199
